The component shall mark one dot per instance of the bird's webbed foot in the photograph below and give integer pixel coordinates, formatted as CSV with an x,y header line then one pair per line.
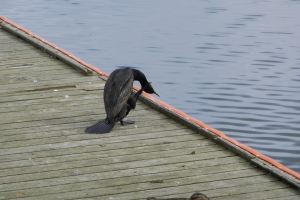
x,y
126,122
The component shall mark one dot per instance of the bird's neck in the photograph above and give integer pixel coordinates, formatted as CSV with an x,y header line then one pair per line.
x,y
139,76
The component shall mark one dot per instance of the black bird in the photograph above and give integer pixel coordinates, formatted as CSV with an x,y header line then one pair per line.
x,y
105,126
118,99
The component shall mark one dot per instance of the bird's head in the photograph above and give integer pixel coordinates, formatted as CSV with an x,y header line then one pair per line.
x,y
149,89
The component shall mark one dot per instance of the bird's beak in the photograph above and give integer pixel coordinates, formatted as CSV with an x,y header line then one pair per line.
x,y
153,89
156,93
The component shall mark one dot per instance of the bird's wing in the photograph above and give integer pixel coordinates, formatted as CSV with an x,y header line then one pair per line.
x,y
117,90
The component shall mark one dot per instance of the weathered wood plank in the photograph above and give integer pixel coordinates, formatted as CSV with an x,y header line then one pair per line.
x,y
78,117
282,193
123,133
121,192
17,66
38,66
77,175
37,77
38,95
11,136
93,164
44,84
51,95
146,181
20,55
82,152
80,136
94,113
54,112
21,110
64,98
14,48
285,196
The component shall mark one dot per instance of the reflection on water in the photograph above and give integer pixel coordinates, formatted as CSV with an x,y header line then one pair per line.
x,y
232,64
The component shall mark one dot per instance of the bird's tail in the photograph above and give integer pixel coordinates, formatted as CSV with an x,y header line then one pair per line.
x,y
101,127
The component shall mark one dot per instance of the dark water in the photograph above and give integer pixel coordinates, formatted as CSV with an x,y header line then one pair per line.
x,y
233,64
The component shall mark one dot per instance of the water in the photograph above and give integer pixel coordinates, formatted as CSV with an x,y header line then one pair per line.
x,y
234,65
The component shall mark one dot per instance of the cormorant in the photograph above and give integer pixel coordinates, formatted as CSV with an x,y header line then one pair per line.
x,y
118,99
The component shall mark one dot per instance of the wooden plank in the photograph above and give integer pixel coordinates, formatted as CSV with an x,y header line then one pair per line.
x,y
12,46
123,170
75,137
287,196
92,164
37,77
143,181
74,118
37,133
54,112
39,65
22,54
74,174
93,116
81,152
38,95
121,192
97,141
57,95
265,193
233,187
10,88
42,108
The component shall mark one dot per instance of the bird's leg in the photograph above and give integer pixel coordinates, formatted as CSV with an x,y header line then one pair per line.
x,y
126,122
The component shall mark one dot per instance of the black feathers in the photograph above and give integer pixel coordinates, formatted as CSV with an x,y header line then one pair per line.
x,y
101,127
119,99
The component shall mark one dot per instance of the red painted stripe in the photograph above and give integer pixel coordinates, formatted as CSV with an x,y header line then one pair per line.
x,y
169,107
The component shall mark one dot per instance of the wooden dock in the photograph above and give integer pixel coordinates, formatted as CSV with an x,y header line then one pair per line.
x,y
45,105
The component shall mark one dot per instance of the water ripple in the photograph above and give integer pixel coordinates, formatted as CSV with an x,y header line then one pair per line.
x,y
220,99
